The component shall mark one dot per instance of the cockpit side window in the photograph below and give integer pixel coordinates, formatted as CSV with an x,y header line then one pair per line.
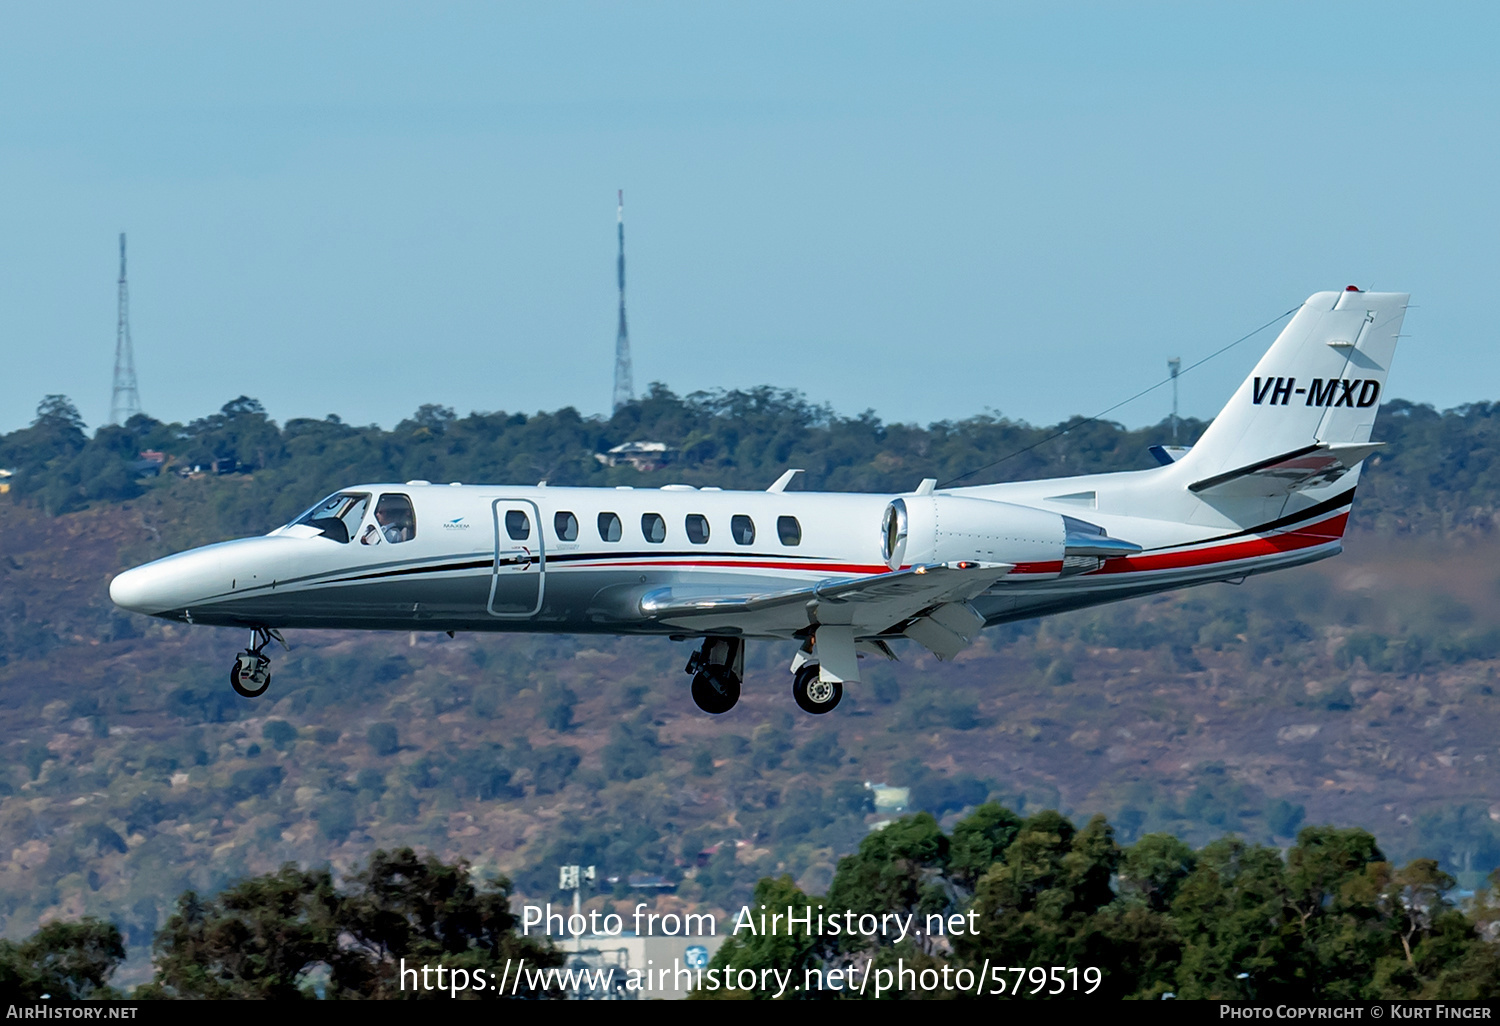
x,y
337,516
396,518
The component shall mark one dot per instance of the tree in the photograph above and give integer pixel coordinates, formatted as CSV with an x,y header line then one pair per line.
x,y
257,939
1038,905
557,709
897,869
979,841
279,732
265,936
58,424
1231,912
404,906
63,961
1153,868
784,949
383,738
633,750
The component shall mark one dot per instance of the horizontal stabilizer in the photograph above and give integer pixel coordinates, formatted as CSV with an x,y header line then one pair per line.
x,y
1166,455
1308,467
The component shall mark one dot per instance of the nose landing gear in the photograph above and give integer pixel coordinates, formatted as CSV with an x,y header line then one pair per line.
x,y
251,673
717,669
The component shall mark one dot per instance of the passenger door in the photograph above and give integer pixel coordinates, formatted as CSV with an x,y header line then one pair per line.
x,y
518,582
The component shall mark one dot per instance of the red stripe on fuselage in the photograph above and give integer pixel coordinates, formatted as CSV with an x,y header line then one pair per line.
x,y
845,568
1320,533
1054,566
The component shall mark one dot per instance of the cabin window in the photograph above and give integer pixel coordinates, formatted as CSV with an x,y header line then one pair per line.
x,y
654,528
566,526
517,525
337,516
609,527
697,528
395,520
789,530
742,529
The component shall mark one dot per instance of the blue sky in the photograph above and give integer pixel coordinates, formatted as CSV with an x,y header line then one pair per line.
x,y
930,210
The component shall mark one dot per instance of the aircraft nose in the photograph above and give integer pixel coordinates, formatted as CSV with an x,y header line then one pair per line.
x,y
142,590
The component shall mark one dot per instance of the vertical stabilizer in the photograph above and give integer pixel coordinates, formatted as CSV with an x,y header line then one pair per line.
x,y
1319,385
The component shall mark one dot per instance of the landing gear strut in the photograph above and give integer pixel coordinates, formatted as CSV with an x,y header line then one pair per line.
x,y
717,669
812,693
251,673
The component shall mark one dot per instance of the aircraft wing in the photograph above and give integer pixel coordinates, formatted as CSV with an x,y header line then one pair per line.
x,y
1308,467
870,605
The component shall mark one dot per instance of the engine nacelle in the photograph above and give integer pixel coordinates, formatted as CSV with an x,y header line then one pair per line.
x,y
948,528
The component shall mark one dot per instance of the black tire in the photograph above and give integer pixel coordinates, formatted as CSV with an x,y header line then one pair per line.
x,y
715,690
813,695
240,689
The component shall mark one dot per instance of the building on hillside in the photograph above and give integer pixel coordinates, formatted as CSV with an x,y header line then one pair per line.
x,y
150,464
5,476
643,456
659,968
644,882
888,798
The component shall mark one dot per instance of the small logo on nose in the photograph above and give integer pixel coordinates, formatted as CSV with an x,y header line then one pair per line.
x,y
456,524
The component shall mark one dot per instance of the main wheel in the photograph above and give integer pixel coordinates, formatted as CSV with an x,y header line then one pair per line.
x,y
813,694
250,676
716,689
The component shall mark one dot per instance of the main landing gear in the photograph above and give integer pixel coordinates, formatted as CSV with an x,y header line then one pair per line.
x,y
717,669
812,693
251,673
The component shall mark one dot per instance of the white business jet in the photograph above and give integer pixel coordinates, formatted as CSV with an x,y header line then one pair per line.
x,y
1269,485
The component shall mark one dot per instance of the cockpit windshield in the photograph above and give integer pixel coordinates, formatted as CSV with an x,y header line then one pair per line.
x,y
337,516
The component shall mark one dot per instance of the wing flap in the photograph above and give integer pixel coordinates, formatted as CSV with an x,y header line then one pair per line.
x,y
946,630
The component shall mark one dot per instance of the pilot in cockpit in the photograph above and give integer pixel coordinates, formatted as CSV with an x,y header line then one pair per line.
x,y
396,520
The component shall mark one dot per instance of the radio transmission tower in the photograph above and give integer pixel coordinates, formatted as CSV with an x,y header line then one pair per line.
x,y
126,402
624,389
1174,365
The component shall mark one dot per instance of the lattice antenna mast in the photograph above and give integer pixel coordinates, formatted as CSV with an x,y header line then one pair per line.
x,y
624,388
126,401
1173,366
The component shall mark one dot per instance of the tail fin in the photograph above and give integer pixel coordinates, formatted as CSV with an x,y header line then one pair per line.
x,y
1309,406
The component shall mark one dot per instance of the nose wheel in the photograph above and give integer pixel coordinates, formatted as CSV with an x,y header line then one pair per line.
x,y
717,669
250,675
812,693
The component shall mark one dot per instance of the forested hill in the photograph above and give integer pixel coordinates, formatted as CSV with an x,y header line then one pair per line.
x,y
1438,472
1359,692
